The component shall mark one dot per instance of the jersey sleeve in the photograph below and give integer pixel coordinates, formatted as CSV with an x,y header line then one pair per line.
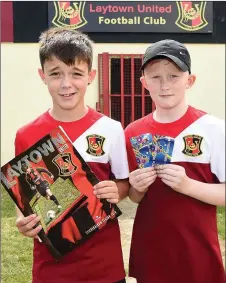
x,y
130,154
18,145
217,155
118,156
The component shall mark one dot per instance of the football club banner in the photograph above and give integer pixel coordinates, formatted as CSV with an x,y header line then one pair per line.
x,y
133,16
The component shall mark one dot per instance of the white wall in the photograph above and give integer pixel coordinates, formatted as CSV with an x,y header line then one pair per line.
x,y
24,96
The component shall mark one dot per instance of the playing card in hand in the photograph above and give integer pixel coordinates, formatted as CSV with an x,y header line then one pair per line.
x,y
141,148
161,150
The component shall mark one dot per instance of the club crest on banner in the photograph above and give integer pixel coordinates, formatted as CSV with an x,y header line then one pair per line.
x,y
95,145
64,164
191,15
192,145
69,14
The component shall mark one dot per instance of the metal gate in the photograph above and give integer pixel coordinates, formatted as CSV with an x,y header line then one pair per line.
x,y
121,95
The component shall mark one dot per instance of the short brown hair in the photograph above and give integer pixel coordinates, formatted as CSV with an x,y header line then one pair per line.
x,y
67,45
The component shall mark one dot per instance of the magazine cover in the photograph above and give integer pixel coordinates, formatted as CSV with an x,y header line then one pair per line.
x,y
52,180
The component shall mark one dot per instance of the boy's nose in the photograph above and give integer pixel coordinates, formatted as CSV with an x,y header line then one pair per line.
x,y
164,84
66,83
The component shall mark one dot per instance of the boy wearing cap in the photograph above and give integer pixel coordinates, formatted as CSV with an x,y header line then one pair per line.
x,y
175,236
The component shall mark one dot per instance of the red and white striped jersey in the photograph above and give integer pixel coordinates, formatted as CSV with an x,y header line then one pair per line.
x,y
101,142
175,236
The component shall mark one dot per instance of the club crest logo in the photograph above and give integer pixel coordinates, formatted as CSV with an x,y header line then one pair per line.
x,y
95,145
191,15
192,145
64,164
69,14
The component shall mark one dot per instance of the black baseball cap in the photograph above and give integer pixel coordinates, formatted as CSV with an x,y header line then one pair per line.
x,y
171,49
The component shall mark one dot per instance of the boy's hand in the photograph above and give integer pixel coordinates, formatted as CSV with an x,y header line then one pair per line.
x,y
107,190
174,176
141,179
25,225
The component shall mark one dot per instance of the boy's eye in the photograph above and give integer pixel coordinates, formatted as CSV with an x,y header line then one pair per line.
x,y
155,77
173,76
77,74
55,74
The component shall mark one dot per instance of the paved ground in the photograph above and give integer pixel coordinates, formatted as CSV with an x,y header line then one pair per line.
x,y
126,225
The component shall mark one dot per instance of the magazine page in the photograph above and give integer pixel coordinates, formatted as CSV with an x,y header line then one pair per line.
x,y
52,180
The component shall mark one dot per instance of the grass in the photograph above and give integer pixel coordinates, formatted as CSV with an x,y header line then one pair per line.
x,y
221,222
16,250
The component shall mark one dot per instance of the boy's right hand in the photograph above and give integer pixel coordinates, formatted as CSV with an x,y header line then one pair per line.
x,y
141,179
26,225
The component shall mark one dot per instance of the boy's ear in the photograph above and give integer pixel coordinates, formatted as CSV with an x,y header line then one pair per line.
x,y
143,81
92,75
191,81
42,75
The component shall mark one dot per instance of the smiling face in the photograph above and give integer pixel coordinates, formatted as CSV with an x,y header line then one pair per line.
x,y
166,83
67,85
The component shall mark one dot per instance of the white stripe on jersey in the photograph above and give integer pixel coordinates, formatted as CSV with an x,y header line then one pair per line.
x,y
212,130
113,146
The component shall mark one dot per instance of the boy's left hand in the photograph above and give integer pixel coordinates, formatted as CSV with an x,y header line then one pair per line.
x,y
107,190
174,176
